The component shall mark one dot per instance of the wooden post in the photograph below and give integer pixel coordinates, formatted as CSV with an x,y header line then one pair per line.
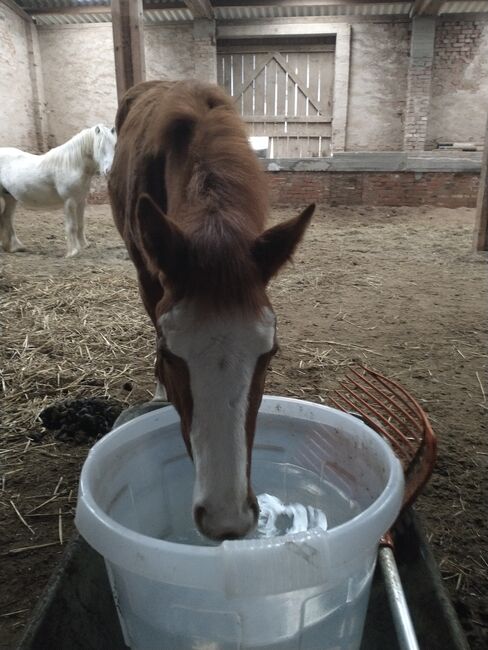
x,y
38,98
481,227
128,34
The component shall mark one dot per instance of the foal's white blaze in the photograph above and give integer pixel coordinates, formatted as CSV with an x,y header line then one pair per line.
x,y
221,354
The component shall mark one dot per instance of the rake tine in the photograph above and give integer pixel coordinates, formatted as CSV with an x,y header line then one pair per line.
x,y
402,394
405,413
382,418
385,434
385,408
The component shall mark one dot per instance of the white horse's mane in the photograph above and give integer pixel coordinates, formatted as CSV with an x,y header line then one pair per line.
x,y
75,151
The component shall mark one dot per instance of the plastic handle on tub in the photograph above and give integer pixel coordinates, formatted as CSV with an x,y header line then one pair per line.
x,y
407,638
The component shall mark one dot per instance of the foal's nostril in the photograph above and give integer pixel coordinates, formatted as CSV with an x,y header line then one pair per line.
x,y
226,526
253,504
198,515
229,536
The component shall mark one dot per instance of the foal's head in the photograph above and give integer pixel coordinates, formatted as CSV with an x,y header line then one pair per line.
x,y
217,334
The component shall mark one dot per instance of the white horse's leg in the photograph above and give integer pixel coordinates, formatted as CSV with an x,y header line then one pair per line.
x,y
71,227
10,242
80,222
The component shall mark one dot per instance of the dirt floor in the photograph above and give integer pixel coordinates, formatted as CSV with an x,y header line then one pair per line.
x,y
398,288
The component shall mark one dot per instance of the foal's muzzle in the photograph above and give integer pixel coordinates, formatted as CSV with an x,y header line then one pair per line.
x,y
220,525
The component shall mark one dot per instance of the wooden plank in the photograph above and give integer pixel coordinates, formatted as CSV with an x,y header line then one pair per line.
x,y
238,77
37,84
327,83
245,49
13,6
281,91
294,129
276,119
247,95
481,224
271,88
259,87
294,3
128,35
226,73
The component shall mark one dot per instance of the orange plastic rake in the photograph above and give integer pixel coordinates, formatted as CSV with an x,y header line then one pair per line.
x,y
390,410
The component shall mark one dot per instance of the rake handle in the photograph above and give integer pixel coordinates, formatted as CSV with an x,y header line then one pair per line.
x,y
405,631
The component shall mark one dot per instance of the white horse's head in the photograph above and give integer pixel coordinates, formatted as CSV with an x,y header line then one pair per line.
x,y
104,140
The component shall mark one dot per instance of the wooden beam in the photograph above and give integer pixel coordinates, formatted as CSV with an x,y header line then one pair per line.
x,y
481,225
37,85
200,8
426,8
128,34
297,3
13,6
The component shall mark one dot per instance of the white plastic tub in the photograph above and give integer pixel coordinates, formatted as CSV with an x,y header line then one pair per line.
x,y
303,591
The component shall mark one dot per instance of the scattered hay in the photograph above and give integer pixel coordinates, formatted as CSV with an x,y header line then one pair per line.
x,y
87,336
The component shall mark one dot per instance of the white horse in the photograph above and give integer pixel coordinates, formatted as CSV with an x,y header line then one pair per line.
x,y
60,177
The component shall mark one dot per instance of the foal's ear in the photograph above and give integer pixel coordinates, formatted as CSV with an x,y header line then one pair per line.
x,y
163,242
97,129
276,246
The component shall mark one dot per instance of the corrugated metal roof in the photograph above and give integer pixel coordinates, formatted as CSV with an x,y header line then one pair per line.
x,y
465,6
168,13
156,17
301,11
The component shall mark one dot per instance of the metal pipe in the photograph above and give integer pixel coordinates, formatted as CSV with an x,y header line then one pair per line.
x,y
407,638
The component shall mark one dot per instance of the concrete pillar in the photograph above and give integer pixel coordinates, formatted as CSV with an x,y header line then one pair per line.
x,y
341,88
419,83
205,50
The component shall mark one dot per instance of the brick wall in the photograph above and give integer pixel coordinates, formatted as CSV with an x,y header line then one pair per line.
x,y
419,83
456,44
444,189
418,105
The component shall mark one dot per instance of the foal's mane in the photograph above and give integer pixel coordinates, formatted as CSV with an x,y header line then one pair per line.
x,y
221,202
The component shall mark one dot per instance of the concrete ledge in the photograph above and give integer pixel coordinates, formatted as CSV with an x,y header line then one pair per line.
x,y
387,161
444,178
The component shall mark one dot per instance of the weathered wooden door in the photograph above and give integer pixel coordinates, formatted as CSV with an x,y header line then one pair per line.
x,y
283,92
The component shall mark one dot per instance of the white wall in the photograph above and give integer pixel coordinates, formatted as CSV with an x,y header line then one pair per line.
x,y
79,78
17,126
378,86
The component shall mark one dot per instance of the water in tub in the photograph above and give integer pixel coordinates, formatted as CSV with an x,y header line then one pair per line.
x,y
296,500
